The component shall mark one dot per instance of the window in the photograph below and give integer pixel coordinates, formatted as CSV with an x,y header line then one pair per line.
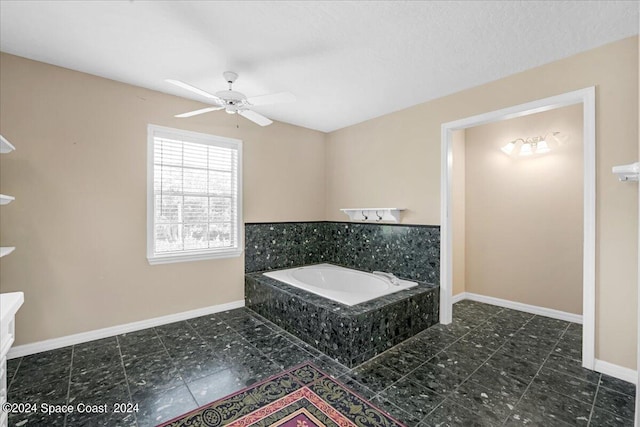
x,y
194,184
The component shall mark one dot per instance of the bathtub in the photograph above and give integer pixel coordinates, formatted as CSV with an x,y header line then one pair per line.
x,y
340,284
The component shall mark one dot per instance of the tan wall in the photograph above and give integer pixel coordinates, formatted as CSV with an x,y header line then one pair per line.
x,y
79,219
400,155
524,216
458,212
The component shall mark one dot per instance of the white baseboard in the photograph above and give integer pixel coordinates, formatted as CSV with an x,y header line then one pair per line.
x,y
533,309
458,297
617,371
52,344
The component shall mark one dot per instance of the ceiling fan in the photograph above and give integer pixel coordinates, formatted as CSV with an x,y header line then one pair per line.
x,y
234,102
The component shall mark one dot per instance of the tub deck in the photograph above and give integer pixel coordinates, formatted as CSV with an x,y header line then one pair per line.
x,y
349,334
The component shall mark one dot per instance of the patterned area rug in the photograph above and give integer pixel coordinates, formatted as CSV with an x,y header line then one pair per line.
x,y
303,396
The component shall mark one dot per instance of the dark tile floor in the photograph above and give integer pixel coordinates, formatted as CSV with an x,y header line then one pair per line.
x,y
490,367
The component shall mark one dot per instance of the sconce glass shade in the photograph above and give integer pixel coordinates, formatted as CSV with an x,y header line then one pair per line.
x,y
526,149
508,149
542,147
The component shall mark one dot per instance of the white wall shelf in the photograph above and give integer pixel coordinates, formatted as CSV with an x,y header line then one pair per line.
x,y
5,200
374,214
628,172
5,146
6,250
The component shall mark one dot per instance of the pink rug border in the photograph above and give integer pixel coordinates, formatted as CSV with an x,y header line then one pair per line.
x,y
287,371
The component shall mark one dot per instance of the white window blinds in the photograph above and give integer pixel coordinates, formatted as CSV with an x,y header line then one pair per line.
x,y
195,195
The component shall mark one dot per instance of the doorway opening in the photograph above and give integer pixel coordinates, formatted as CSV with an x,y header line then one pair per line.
x,y
585,97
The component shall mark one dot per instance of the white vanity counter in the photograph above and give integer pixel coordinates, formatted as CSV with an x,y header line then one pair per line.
x,y
9,304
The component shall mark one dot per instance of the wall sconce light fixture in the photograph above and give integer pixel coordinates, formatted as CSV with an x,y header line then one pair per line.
x,y
529,146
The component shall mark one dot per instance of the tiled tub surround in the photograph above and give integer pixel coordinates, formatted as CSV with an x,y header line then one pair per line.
x,y
410,252
350,335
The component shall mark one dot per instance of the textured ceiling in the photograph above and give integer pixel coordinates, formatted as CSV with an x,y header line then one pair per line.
x,y
345,61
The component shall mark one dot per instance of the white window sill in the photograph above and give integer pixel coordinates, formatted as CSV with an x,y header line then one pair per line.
x,y
186,257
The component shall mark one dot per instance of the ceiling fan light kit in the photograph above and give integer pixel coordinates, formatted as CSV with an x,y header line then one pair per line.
x,y
234,102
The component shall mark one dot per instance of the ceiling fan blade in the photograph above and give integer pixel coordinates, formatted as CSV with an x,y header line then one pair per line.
x,y
272,98
194,89
196,112
255,117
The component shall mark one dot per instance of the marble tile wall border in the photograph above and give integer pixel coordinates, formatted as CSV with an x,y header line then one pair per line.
x,y
409,251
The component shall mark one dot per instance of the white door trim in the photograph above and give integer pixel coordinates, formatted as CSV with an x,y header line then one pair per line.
x,y
586,97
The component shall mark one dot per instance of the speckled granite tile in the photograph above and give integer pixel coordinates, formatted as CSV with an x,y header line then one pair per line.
x,y
38,361
513,366
602,418
487,337
179,346
110,419
618,385
349,334
436,378
91,346
570,345
374,376
509,321
399,360
12,368
412,398
330,366
542,406
92,358
566,385
257,332
499,381
488,403
110,394
227,342
545,327
53,392
289,357
354,385
409,251
36,419
396,412
33,375
454,329
571,367
449,413
528,347
213,387
416,347
198,363
97,378
437,336
461,359
235,313
574,329
156,408
256,369
271,343
151,375
134,349
240,323
617,403
137,336
274,245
